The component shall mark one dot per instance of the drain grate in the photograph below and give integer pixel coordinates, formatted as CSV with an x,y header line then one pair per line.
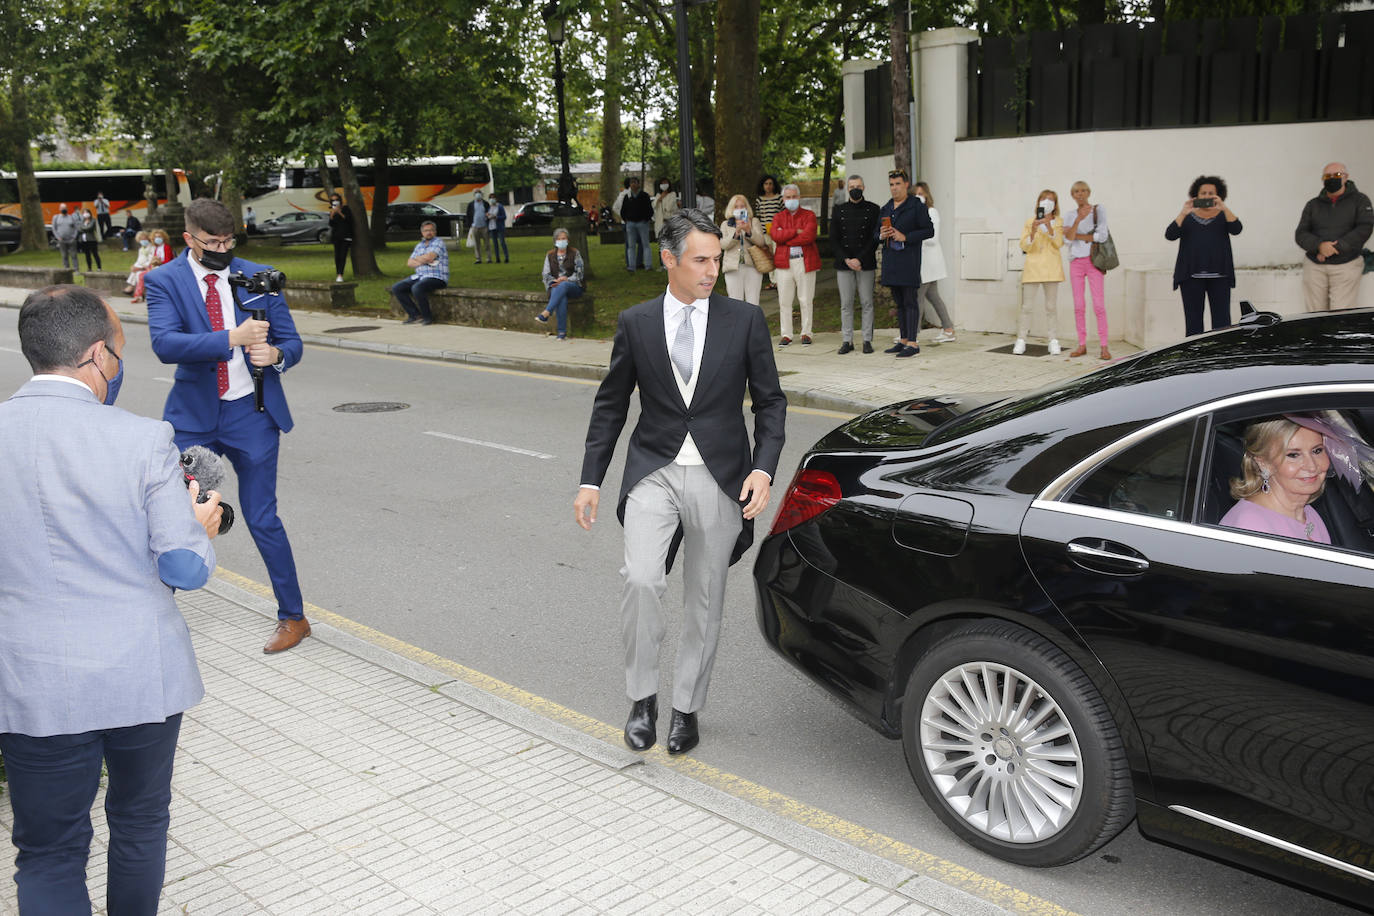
x,y
1031,350
371,407
353,329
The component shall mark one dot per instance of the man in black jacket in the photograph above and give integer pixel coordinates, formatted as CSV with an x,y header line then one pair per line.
x,y
1334,227
637,212
691,478
855,233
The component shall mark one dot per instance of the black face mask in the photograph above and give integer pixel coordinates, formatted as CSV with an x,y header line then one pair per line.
x,y
215,260
856,194
1333,185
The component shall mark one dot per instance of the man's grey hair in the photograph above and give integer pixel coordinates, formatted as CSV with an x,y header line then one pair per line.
x,y
430,222
858,178
791,187
677,227
58,323
560,231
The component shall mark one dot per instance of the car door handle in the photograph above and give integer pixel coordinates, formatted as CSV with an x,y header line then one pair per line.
x,y
1107,557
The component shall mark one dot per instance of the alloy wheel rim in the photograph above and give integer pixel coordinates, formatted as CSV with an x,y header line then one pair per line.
x,y
1001,752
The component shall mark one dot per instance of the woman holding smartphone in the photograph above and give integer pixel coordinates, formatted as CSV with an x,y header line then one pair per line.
x,y
1204,267
1041,240
738,233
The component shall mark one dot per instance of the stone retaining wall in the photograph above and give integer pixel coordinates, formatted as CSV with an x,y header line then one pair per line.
x,y
107,281
328,296
33,277
506,310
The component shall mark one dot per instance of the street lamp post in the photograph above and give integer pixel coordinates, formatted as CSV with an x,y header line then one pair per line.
x,y
553,22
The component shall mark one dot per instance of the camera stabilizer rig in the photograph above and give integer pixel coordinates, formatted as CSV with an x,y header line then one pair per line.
x,y
267,282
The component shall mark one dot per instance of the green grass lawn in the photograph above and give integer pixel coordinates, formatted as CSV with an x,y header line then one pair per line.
x,y
612,288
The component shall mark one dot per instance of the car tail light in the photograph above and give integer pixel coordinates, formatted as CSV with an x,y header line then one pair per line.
x,y
811,493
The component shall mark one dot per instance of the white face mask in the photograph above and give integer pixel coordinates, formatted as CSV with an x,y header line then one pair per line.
x,y
792,203
921,197
1047,206
144,244
663,187
741,215
561,244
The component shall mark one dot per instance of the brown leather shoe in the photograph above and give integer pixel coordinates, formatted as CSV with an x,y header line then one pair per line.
x,y
1105,354
1078,351
289,634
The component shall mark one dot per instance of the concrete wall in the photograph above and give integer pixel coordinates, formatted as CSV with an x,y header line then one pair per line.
x,y
986,188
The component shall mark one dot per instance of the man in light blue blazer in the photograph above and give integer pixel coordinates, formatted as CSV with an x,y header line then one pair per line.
x,y
96,532
195,322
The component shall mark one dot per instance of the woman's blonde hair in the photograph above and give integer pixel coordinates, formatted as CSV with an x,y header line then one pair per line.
x,y
925,188
141,236
1080,184
1263,439
731,207
1043,194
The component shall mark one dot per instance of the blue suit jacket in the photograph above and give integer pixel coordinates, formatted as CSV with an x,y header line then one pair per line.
x,y
96,530
181,334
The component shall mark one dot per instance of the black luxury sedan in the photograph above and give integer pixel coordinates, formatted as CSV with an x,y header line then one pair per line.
x,y
1039,597
409,215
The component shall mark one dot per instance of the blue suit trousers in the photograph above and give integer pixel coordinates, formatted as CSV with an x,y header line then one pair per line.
x,y
250,440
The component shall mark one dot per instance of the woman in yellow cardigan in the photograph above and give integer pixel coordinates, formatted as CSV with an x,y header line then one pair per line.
x,y
1041,240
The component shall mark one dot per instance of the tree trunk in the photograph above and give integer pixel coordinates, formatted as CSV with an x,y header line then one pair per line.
x,y
381,195
33,236
738,125
610,106
364,261
832,140
326,180
901,89
702,53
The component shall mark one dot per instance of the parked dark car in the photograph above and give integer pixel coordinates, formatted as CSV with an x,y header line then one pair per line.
x,y
10,227
304,226
535,213
409,216
1036,596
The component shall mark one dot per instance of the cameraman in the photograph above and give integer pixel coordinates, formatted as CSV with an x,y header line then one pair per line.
x,y
194,322
96,663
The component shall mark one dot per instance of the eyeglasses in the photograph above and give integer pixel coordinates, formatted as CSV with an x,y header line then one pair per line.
x,y
217,244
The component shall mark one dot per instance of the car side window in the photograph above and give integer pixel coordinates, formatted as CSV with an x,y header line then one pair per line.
x,y
1148,478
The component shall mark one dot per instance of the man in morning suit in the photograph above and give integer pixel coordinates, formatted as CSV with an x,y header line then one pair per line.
x,y
96,666
689,467
195,321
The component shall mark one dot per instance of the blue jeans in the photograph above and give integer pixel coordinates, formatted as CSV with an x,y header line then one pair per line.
x,y
498,243
637,245
52,784
420,288
558,303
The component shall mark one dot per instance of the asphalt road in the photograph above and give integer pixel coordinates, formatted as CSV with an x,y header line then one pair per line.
x,y
449,525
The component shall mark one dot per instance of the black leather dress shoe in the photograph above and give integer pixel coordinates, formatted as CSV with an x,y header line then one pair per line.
x,y
682,734
641,729
846,347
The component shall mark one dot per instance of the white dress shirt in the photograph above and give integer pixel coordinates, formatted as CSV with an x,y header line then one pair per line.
x,y
240,378
672,324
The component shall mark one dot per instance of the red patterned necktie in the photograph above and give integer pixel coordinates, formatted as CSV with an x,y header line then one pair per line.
x,y
216,313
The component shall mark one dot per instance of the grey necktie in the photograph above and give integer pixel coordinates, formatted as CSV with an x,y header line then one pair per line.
x,y
682,345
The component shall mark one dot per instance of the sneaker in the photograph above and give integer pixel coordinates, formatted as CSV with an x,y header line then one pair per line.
x,y
426,321
896,348
868,346
1018,348
908,351
784,342
806,340
339,278
846,347
542,318
1054,347
411,320
945,336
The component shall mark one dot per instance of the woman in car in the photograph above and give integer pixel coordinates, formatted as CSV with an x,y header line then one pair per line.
x,y
563,270
1204,268
1284,469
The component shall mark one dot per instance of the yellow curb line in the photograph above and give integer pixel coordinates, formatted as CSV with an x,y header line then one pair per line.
x,y
943,870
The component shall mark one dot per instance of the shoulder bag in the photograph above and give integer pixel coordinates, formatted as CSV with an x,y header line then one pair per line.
x,y
1103,254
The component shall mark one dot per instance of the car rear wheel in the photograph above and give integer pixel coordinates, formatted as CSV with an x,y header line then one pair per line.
x,y
322,236
1013,747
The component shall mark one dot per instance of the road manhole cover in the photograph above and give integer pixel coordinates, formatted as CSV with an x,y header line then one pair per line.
x,y
1031,350
354,329
371,407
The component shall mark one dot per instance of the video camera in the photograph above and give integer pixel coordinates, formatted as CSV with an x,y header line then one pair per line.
x,y
266,282
206,468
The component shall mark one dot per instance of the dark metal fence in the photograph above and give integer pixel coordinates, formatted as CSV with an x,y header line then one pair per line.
x,y
1249,70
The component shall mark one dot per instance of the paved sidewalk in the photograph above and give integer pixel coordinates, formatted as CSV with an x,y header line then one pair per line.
x,y
814,376
340,778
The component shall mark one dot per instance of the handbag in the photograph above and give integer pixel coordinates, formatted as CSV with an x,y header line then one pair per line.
x,y
1103,254
763,261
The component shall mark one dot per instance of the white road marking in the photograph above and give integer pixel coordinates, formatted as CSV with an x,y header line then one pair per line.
x,y
482,442
159,378
9,350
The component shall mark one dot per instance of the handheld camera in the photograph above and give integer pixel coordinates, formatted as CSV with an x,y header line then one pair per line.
x,y
265,282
